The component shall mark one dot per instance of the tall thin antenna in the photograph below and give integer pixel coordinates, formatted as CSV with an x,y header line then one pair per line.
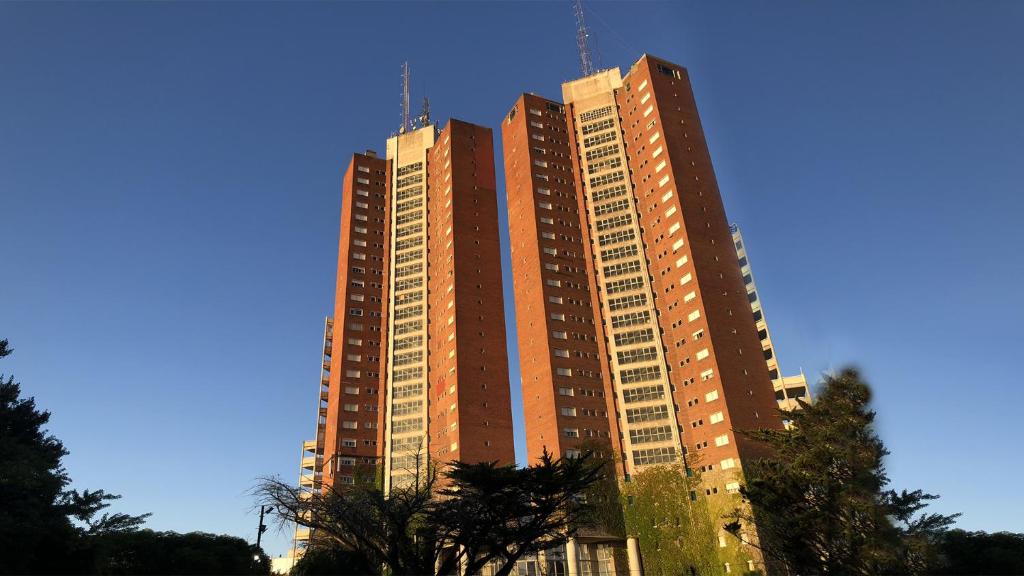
x,y
406,122
582,35
424,119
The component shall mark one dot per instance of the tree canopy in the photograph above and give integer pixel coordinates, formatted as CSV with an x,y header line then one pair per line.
x,y
821,501
466,515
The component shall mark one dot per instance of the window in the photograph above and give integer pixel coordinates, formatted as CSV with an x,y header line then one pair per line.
x,y
571,432
647,414
702,354
565,392
568,411
727,463
689,296
561,353
559,334
693,315
654,456
655,434
563,371
721,440
716,418
643,394
707,375
711,396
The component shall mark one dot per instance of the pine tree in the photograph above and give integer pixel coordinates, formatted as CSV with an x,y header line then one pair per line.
x,y
821,502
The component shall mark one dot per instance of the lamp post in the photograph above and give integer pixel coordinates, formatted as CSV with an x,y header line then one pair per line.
x,y
262,527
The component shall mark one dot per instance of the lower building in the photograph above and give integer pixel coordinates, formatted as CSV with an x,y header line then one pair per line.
x,y
788,389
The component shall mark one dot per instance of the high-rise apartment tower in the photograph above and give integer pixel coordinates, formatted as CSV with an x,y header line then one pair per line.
x,y
635,331
418,366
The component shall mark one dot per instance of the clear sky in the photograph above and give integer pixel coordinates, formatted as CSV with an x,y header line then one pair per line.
x,y
169,200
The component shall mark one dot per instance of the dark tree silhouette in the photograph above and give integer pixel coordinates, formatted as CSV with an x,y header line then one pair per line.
x,y
468,514
820,500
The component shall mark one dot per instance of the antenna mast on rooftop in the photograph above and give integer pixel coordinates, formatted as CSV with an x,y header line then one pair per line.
x,y
586,60
406,122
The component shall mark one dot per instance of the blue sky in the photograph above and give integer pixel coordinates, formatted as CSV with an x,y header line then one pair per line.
x,y
169,197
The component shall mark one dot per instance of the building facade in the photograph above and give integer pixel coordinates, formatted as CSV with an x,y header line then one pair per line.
x,y
418,371
788,389
626,278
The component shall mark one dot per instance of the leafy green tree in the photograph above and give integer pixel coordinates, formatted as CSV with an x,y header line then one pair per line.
x,y
469,515
329,559
961,552
146,552
37,511
820,501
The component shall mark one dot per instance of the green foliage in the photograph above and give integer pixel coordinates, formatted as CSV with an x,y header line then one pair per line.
x,y
331,560
483,513
676,531
820,501
146,552
960,552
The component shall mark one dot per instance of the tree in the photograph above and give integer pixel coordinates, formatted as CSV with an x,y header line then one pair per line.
x,y
820,502
37,532
468,515
961,552
146,552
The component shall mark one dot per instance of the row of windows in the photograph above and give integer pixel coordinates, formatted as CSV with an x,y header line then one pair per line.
x,y
410,425
631,319
647,414
617,236
601,138
598,126
410,342
612,207
594,154
408,284
621,268
408,358
405,328
619,252
406,206
409,193
408,312
610,178
407,391
604,164
409,270
409,298
634,337
406,374
614,222
647,435
411,217
410,168
406,408
654,456
409,230
630,301
607,193
408,243
407,257
595,114
409,180
637,355
643,394
625,285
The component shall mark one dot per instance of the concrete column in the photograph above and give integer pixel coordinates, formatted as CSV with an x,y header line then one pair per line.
x,y
572,564
633,555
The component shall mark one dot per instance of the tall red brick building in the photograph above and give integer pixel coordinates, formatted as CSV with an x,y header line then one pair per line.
x,y
417,368
635,329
